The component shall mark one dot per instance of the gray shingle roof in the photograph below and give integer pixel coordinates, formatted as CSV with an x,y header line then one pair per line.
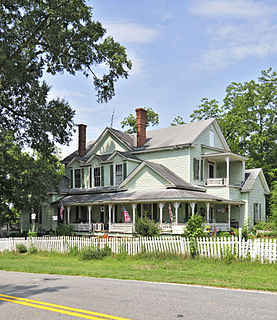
x,y
140,195
250,178
172,177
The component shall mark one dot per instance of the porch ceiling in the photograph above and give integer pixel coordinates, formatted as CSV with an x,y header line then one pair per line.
x,y
220,157
138,196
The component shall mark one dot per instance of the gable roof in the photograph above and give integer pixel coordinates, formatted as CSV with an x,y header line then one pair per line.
x,y
181,135
165,173
251,176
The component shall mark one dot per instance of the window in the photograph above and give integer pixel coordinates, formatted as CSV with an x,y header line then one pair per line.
x,y
77,178
97,177
257,212
118,173
196,168
211,172
211,138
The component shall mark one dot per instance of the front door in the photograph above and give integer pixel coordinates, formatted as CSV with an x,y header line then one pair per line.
x,y
211,170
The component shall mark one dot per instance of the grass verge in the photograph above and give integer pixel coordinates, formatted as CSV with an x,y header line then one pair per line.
x,y
174,269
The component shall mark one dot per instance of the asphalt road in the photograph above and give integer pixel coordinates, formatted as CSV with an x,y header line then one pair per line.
x,y
125,299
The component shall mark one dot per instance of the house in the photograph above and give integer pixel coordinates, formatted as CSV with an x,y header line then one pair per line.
x,y
180,170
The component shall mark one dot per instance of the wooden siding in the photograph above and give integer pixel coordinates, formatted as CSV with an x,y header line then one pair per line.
x,y
146,179
109,144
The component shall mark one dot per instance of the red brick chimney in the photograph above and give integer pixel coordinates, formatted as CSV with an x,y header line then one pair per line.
x,y
141,126
82,139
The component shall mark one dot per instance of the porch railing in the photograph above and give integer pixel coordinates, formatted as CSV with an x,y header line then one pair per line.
x,y
216,182
80,227
219,226
122,227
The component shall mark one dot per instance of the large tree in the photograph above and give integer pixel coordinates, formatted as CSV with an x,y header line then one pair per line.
x,y
49,36
152,118
247,118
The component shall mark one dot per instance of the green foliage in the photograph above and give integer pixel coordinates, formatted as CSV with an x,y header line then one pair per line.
x,y
21,248
223,234
245,230
32,234
95,253
32,249
152,118
74,251
38,37
146,227
194,227
273,207
177,121
64,230
247,118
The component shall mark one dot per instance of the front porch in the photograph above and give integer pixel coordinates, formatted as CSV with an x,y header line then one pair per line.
x,y
109,218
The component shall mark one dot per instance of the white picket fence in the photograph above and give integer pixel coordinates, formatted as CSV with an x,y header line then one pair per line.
x,y
263,250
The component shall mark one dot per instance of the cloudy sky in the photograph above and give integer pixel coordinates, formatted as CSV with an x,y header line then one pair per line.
x,y
181,50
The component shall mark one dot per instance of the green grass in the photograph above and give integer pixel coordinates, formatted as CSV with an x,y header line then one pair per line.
x,y
237,274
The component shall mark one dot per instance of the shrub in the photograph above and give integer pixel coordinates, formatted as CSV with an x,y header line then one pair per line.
x,y
31,234
74,251
21,248
194,227
147,228
94,253
64,230
32,249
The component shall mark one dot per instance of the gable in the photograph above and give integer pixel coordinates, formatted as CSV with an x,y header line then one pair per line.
x,y
146,179
213,137
109,144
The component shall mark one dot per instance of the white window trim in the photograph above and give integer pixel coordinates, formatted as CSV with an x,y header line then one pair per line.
x,y
214,165
114,173
199,170
94,177
74,187
211,138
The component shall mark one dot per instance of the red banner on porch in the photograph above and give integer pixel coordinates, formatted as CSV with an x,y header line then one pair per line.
x,y
127,217
170,213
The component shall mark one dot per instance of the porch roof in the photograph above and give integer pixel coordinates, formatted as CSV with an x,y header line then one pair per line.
x,y
220,157
139,196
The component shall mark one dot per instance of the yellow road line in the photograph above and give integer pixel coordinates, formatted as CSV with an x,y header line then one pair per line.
x,y
59,308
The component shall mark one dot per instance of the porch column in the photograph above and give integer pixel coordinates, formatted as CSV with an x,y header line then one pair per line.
x,y
229,216
227,159
161,206
68,214
110,217
208,211
176,206
192,205
134,205
89,215
113,213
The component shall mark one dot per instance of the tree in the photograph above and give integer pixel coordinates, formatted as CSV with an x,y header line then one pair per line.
x,y
152,119
273,207
177,121
37,37
247,118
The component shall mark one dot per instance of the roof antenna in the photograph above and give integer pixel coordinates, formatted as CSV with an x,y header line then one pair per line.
x,y
112,119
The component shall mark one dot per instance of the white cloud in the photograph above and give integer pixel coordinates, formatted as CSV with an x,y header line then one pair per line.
x,y
229,8
237,39
130,32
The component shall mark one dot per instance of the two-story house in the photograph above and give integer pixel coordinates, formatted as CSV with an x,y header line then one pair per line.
x,y
166,174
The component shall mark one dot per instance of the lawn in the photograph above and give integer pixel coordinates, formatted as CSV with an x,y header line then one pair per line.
x,y
237,274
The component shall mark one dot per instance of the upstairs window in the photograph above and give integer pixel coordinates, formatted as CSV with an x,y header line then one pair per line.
x,y
97,176
77,178
211,138
257,212
118,173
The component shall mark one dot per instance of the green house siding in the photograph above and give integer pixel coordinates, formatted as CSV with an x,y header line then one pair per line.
x,y
175,160
109,144
146,179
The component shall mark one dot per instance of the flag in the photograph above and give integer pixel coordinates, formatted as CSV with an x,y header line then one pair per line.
x,y
61,211
127,217
170,213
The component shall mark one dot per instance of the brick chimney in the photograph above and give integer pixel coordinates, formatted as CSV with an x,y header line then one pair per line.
x,y
141,127
82,139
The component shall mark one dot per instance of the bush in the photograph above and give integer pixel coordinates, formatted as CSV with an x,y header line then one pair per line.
x,y
32,234
147,228
194,227
32,249
223,234
64,230
74,251
21,248
95,253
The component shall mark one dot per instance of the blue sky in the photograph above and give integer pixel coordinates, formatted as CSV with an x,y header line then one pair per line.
x,y
182,51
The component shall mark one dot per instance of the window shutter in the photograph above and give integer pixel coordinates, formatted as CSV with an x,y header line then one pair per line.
x,y
90,177
111,174
83,177
194,168
102,176
71,178
124,170
202,170
40,215
260,211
